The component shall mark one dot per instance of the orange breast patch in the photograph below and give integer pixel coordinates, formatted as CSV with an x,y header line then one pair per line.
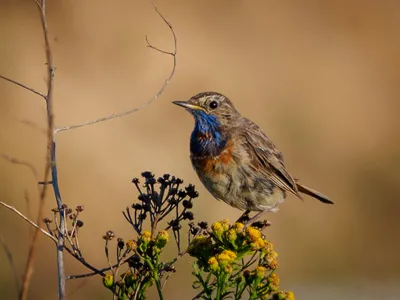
x,y
213,164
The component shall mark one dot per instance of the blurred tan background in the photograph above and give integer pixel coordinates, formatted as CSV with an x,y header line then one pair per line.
x,y
320,77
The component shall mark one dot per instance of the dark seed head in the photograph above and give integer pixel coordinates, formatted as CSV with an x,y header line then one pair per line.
x,y
188,215
181,194
121,243
191,191
109,235
147,174
187,204
137,206
173,201
194,230
203,225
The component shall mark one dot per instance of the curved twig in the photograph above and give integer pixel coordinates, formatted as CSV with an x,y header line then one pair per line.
x,y
148,102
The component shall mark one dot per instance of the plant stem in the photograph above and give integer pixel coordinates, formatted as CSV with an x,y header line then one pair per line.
x,y
219,287
154,271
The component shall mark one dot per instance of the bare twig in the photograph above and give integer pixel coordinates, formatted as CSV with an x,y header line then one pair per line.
x,y
11,261
151,100
98,272
12,208
23,86
54,239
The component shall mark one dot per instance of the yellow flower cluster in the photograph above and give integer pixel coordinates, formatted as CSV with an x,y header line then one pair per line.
x,y
222,261
256,240
273,281
145,237
234,243
162,239
159,241
131,244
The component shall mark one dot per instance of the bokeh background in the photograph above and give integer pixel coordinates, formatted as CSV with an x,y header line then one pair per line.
x,y
320,77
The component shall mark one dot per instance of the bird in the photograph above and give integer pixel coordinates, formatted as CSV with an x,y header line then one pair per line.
x,y
236,161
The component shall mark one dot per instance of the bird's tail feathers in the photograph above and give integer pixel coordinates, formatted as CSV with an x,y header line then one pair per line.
x,y
313,193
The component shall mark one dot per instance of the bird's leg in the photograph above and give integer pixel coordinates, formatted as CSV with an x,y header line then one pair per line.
x,y
255,217
244,218
258,224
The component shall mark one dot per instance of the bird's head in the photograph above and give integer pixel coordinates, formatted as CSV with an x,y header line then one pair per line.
x,y
211,107
214,116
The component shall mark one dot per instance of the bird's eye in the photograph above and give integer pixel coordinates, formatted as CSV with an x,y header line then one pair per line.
x,y
213,104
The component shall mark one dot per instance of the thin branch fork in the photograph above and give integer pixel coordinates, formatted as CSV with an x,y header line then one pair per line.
x,y
148,102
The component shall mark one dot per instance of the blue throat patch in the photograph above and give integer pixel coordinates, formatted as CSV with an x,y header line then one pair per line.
x,y
207,138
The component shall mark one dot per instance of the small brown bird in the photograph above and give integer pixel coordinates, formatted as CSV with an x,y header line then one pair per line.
x,y
235,160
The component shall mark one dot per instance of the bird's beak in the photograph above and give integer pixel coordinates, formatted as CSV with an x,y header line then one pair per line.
x,y
188,105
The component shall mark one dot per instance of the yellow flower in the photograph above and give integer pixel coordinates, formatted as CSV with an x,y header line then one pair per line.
x,y
231,235
146,236
213,263
226,257
239,227
108,281
162,239
260,272
289,296
225,224
273,280
131,244
218,229
253,233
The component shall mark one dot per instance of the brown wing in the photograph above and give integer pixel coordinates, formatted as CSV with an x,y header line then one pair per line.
x,y
266,158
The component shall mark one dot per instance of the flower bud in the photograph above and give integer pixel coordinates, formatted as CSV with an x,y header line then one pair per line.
x,y
217,229
213,264
253,233
260,272
162,239
231,235
108,281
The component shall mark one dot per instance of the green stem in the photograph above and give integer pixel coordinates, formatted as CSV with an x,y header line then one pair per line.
x,y
218,289
155,277
220,285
